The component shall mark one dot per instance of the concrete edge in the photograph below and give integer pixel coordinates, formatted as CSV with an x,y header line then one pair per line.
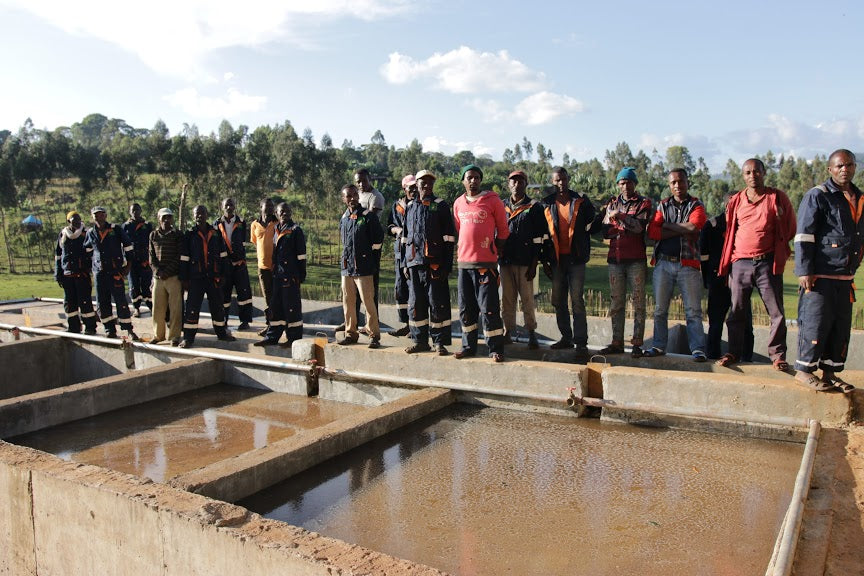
x,y
243,475
38,410
178,532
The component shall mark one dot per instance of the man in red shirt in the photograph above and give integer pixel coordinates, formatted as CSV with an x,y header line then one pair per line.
x,y
481,224
760,223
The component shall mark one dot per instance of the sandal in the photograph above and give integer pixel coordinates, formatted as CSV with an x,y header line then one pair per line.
x,y
727,360
840,384
781,365
815,383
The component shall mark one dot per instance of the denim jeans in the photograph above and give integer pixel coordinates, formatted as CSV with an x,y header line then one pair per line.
x,y
689,280
568,281
620,275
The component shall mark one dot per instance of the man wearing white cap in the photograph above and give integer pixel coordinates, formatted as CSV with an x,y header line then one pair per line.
x,y
164,250
110,248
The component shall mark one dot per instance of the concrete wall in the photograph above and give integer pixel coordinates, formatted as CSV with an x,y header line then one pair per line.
x,y
33,365
31,412
63,518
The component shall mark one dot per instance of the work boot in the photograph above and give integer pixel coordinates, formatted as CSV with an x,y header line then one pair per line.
x,y
532,341
243,326
226,337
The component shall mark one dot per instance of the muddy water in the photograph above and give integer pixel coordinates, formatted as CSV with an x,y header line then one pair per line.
x,y
486,491
166,437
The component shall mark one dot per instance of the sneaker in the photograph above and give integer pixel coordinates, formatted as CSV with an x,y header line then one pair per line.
x,y
637,352
532,341
243,326
465,353
441,350
266,342
347,341
226,337
653,353
562,345
415,348
699,356
403,331
374,344
263,331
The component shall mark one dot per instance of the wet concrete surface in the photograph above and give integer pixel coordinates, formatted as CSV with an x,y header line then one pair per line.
x,y
163,438
488,491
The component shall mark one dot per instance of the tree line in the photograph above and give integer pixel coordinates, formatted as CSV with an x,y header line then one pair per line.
x,y
107,161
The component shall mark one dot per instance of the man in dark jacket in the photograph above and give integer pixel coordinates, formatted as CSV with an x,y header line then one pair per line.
x,y
520,256
828,249
430,234
289,272
361,234
203,265
138,231
110,248
234,234
72,269
569,217
396,228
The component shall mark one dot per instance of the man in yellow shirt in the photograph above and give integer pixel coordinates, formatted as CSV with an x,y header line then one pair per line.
x,y
261,235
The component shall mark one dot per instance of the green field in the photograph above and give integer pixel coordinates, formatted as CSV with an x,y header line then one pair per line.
x,y
322,283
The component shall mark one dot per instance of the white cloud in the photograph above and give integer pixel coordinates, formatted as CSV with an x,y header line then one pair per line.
x,y
465,71
544,107
439,144
537,109
783,135
231,105
174,38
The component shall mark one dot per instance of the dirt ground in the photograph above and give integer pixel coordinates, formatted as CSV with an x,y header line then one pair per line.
x,y
832,533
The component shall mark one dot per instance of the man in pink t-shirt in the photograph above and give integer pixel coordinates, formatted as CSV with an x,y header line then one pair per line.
x,y
481,224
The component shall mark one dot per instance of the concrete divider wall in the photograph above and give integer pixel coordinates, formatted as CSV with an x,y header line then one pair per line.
x,y
32,365
32,412
59,517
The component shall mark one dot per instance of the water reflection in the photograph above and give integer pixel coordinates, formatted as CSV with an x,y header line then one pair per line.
x,y
485,491
166,437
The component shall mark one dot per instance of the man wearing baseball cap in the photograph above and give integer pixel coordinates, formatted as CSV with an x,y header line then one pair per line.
x,y
396,228
481,224
429,239
519,257
72,269
111,249
164,254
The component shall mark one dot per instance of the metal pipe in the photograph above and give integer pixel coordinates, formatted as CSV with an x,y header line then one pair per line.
x,y
573,401
21,301
788,537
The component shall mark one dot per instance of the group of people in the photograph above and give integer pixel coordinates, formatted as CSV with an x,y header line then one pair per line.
x,y
500,243
164,263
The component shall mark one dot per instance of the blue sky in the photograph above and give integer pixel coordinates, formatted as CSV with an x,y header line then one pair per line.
x,y
726,79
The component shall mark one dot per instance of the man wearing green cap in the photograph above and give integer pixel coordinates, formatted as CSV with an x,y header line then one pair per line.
x,y
624,221
481,226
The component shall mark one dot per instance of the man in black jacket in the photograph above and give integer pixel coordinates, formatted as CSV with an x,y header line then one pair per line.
x,y
361,235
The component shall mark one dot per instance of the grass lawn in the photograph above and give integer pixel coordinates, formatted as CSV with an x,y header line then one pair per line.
x,y
323,283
